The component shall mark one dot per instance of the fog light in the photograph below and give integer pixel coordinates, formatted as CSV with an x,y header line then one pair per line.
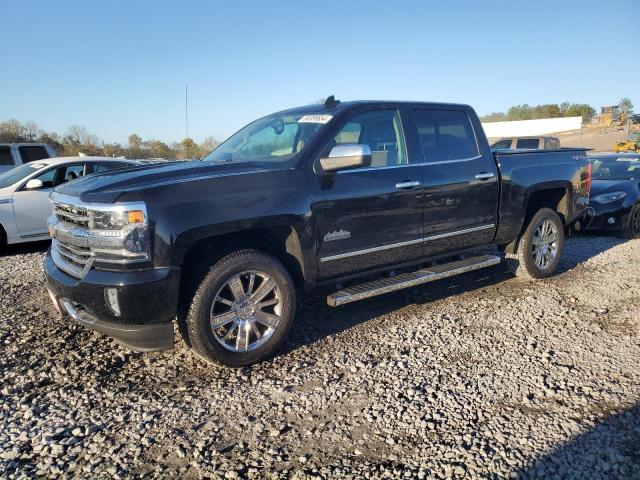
x,y
611,220
111,297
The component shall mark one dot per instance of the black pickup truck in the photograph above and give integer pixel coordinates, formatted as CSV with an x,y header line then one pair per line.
x,y
367,197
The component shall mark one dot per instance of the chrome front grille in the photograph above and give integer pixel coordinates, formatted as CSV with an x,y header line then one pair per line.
x,y
81,242
70,249
78,256
71,214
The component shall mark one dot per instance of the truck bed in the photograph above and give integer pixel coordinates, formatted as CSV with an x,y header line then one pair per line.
x,y
565,171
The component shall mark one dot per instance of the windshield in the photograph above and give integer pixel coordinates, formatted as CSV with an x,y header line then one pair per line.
x,y
16,174
616,168
270,141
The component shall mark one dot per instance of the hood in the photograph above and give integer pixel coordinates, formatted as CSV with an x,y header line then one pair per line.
x,y
606,186
108,186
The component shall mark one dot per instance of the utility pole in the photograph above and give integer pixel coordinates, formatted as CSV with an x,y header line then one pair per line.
x,y
186,109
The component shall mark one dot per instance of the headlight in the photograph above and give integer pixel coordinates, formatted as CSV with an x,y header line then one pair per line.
x,y
115,220
119,234
609,197
104,236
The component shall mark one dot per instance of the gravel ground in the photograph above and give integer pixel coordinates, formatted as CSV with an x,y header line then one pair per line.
x,y
477,376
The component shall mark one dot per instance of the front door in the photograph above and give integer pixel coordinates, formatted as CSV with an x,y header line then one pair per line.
x,y
368,217
31,208
460,182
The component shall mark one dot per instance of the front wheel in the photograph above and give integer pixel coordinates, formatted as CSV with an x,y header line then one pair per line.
x,y
540,246
633,227
243,309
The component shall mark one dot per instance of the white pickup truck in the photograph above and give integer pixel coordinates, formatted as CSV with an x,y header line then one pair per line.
x,y
16,154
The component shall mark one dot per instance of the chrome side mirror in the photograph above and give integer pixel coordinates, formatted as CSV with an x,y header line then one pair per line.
x,y
346,156
34,184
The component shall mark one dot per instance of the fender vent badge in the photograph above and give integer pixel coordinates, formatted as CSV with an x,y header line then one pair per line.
x,y
337,235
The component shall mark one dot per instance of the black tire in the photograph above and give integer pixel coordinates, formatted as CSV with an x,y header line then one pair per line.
x,y
3,238
632,229
241,264
523,264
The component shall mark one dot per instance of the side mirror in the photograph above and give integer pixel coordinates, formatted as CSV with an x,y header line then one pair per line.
x,y
34,184
346,156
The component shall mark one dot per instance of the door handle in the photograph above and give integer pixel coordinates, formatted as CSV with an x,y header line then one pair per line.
x,y
485,175
407,184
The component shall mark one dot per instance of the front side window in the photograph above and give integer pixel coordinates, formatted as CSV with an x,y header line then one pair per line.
x,y
446,135
57,176
502,144
381,130
32,153
270,141
48,178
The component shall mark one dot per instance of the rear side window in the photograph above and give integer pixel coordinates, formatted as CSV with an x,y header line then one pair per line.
x,y
527,143
107,167
5,156
445,135
31,153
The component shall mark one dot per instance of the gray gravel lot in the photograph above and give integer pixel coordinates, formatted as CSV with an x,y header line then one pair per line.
x,y
477,376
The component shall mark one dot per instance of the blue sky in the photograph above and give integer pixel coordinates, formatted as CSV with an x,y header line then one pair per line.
x,y
119,67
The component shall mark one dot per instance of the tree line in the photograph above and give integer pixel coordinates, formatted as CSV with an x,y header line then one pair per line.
x,y
552,110
78,140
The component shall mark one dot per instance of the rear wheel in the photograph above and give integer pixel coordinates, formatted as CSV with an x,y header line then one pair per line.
x,y
242,310
540,246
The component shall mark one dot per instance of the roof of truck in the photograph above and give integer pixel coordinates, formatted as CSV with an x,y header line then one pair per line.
x,y
341,106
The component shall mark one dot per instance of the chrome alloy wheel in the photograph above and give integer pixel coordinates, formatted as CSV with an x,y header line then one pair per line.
x,y
545,244
246,311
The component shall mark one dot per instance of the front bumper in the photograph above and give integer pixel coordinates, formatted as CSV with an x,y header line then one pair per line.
x,y
613,217
137,311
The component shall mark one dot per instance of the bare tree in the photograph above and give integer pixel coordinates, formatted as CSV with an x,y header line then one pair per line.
x,y
208,144
11,131
77,134
32,131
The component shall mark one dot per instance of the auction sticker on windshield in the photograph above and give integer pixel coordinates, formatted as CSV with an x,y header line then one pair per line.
x,y
315,119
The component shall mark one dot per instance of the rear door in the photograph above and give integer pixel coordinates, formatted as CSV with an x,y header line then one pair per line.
x,y
371,216
460,181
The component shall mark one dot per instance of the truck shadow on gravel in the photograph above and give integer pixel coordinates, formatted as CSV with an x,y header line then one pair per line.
x,y
581,247
609,450
316,321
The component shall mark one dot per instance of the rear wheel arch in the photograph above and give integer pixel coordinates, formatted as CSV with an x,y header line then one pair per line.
x,y
557,197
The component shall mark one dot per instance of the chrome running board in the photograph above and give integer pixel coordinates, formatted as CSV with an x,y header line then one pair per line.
x,y
405,280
